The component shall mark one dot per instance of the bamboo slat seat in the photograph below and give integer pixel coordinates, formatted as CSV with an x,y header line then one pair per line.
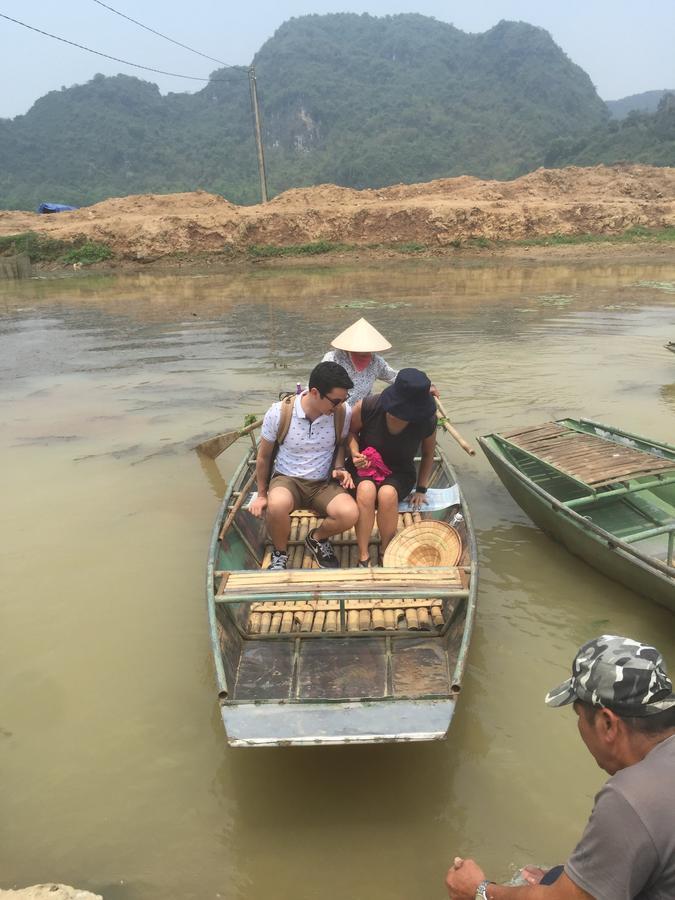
x,y
590,459
305,598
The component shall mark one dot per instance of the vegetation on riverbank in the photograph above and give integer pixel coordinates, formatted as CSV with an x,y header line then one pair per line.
x,y
49,251
637,234
43,249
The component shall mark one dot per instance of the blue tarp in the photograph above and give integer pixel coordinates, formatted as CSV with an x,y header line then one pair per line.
x,y
54,207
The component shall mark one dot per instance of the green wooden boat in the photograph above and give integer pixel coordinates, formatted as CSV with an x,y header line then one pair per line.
x,y
319,656
606,494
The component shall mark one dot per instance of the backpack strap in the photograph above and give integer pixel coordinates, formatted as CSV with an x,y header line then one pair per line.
x,y
285,416
339,417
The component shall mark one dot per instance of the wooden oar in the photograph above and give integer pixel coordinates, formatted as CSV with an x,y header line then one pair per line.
x,y
453,431
215,445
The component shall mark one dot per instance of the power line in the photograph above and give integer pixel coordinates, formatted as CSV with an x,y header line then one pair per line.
x,y
124,62
159,34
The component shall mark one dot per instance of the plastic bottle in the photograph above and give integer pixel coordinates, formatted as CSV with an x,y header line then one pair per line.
x,y
457,519
298,388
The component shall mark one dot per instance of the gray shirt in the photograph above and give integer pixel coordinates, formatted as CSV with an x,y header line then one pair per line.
x,y
366,378
627,851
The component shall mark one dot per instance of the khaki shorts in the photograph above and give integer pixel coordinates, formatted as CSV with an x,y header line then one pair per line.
x,y
308,494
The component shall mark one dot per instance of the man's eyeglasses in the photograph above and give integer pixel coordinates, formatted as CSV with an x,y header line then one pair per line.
x,y
333,400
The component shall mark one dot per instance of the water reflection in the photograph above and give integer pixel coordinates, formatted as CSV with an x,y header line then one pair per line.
x,y
110,726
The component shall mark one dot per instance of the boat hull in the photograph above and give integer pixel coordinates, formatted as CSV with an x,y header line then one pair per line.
x,y
568,528
310,688
324,724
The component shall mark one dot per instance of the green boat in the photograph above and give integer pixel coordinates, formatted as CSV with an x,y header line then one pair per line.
x,y
606,494
315,656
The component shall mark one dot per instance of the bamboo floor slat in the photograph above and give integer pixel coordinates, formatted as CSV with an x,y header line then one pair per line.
x,y
323,616
588,458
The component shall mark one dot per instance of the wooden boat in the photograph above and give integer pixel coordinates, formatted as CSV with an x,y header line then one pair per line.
x,y
606,494
335,656
670,346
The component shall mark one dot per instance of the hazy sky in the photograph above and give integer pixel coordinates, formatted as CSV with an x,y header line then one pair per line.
x,y
626,47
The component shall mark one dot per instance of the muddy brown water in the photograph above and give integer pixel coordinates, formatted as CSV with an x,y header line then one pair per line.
x,y
115,772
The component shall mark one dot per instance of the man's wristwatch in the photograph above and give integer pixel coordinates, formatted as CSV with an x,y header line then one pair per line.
x,y
421,490
481,890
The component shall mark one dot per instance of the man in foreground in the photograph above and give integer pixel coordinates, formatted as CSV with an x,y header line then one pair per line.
x,y
625,706
309,466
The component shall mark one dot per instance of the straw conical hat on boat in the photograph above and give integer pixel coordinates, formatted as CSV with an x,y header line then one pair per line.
x,y
428,543
361,337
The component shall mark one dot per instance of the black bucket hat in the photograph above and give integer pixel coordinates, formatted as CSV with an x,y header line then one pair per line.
x,y
408,398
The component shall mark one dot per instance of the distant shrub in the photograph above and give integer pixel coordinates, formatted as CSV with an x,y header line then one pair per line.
x,y
88,253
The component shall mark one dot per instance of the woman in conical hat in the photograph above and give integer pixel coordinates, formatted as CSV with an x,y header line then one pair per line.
x,y
356,349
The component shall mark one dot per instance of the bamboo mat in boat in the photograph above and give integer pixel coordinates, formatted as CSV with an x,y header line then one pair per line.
x,y
591,459
323,616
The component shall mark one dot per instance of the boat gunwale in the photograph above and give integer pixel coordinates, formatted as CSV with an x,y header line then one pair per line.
x,y
649,562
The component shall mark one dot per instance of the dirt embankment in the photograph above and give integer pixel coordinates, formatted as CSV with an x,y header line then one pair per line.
x,y
439,214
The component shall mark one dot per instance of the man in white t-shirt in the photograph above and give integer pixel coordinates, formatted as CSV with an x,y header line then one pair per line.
x,y
308,469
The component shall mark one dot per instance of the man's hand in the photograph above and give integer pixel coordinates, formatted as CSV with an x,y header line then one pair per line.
x,y
416,500
360,461
343,476
258,506
463,878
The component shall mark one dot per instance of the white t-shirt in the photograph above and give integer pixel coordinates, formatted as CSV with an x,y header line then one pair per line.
x,y
307,451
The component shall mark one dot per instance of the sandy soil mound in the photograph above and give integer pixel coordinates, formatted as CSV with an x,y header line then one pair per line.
x,y
597,200
49,892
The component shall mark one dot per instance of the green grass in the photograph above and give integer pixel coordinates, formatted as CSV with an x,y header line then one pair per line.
x,y
44,249
88,253
635,234
38,247
267,251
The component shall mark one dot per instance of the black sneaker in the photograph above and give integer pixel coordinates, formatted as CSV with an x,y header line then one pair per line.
x,y
323,552
279,561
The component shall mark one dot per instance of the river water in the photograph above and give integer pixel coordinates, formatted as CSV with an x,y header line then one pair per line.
x,y
116,775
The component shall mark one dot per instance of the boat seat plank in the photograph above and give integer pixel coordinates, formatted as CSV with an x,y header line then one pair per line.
x,y
588,458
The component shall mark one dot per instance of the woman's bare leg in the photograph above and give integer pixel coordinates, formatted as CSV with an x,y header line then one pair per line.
x,y
365,499
387,514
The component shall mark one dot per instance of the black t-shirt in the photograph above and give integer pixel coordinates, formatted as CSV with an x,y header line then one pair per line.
x,y
397,450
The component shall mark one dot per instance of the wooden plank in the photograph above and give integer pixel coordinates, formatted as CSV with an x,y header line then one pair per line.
x,y
333,577
589,458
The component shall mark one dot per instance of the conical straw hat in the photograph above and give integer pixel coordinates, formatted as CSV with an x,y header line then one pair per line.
x,y
361,337
428,543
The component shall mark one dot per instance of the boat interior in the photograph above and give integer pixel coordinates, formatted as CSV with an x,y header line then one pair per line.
x,y
309,633
622,484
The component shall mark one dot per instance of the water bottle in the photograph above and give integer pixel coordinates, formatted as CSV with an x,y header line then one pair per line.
x,y
457,519
298,388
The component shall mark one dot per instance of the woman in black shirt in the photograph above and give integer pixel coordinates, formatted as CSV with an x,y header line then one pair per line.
x,y
394,423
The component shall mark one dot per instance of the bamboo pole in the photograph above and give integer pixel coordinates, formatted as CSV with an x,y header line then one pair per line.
x,y
453,431
237,506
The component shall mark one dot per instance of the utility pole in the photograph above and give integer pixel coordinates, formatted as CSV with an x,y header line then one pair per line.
x,y
258,137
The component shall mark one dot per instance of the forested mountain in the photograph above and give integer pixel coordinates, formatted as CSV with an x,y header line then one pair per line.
x,y
350,99
639,137
646,102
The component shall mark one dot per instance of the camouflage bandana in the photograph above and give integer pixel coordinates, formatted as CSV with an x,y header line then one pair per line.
x,y
620,674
